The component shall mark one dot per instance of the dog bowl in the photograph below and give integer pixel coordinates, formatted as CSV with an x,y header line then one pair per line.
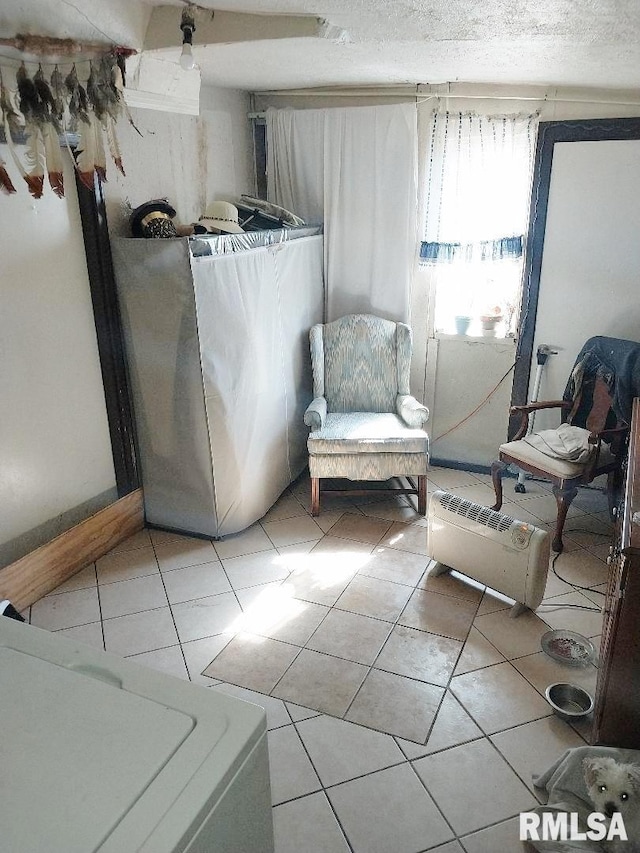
x,y
568,647
569,701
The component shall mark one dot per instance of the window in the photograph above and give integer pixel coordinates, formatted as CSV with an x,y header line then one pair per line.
x,y
478,183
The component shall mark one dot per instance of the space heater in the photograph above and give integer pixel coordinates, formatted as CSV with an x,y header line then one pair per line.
x,y
501,552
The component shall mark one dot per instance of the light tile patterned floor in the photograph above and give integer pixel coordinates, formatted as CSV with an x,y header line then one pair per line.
x,y
389,693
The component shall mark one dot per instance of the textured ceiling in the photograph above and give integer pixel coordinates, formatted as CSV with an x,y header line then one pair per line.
x,y
585,43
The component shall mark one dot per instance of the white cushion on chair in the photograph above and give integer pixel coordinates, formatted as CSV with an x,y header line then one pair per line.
x,y
366,432
522,451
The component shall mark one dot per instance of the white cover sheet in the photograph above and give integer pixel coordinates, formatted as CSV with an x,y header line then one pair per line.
x,y
356,167
218,352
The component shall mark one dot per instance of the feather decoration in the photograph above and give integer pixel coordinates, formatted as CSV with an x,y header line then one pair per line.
x,y
53,157
91,159
95,95
47,104
78,104
11,125
34,113
118,84
51,129
36,159
112,140
58,92
5,181
110,100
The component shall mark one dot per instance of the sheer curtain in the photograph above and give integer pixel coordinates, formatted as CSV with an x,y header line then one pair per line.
x,y
354,168
477,186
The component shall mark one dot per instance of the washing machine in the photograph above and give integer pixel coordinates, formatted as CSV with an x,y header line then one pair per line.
x,y
100,754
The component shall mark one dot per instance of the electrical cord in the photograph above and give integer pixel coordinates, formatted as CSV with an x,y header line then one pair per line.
x,y
575,586
477,408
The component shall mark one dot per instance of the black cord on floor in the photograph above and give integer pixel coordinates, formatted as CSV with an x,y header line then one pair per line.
x,y
575,586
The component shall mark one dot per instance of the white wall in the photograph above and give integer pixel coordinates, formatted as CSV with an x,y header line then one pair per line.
x,y
55,451
190,160
591,259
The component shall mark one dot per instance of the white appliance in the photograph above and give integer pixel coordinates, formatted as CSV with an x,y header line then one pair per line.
x,y
501,552
100,754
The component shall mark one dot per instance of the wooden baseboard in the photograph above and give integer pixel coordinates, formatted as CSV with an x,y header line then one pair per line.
x,y
41,571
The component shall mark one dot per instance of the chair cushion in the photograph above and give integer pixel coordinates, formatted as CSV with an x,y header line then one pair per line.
x,y
366,432
522,451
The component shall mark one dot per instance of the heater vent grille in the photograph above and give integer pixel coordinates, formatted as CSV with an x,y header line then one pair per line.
x,y
475,512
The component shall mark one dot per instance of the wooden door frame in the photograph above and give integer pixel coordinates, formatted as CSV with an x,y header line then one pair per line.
x,y
550,132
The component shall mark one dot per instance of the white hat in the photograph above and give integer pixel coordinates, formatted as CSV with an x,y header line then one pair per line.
x,y
221,216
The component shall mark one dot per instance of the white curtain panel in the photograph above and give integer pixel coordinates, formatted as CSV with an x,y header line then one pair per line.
x,y
478,176
357,168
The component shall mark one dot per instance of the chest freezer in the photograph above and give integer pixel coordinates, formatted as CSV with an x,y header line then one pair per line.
x,y
100,754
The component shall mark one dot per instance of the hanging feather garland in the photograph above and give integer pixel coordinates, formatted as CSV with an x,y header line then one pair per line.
x,y
47,110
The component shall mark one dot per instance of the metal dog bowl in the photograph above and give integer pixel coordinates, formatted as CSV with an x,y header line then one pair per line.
x,y
569,701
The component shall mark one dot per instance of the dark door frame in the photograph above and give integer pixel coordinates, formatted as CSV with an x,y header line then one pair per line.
x,y
550,132
111,347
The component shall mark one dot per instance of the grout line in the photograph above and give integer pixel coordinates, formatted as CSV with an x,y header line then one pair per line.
x,y
95,572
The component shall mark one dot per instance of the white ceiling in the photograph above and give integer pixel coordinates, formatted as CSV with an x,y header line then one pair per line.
x,y
577,43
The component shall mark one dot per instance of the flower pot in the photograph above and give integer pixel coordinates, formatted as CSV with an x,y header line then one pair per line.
x,y
489,324
462,324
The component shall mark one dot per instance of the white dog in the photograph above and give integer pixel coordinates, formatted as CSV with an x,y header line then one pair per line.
x,y
615,787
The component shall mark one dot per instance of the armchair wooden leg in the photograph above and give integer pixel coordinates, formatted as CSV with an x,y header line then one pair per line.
x,y
563,499
497,469
315,496
422,494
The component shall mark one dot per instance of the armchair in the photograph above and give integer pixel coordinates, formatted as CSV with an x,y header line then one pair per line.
x,y
597,399
365,425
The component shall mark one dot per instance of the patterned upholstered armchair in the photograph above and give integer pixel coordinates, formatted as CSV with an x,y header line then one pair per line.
x,y
364,423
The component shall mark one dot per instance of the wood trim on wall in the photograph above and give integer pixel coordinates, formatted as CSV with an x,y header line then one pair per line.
x,y
550,132
111,348
41,571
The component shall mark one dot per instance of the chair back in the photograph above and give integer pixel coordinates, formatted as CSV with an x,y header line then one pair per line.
x,y
592,404
364,367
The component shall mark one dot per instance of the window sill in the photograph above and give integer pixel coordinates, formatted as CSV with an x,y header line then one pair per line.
x,y
476,339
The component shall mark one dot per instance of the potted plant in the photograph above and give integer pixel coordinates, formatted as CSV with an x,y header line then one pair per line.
x,y
462,322
490,319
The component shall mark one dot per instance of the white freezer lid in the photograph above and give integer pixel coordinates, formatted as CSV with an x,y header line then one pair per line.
x,y
98,753
84,755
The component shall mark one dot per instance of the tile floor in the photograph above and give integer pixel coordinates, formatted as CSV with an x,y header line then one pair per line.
x,y
389,693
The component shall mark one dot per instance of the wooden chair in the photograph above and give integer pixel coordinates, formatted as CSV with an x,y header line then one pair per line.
x,y
591,409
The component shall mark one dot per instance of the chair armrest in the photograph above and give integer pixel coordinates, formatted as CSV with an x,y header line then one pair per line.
x,y
525,411
614,437
316,413
543,404
413,413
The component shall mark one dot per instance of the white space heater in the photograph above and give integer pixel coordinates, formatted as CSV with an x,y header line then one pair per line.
x,y
501,552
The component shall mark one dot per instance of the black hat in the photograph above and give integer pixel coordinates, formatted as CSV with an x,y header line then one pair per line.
x,y
145,219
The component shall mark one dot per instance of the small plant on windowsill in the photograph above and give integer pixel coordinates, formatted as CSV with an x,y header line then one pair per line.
x,y
490,319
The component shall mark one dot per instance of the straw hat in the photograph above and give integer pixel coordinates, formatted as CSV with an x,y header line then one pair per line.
x,y
220,216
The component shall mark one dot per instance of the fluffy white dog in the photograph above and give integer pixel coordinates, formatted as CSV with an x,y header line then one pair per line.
x,y
615,787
